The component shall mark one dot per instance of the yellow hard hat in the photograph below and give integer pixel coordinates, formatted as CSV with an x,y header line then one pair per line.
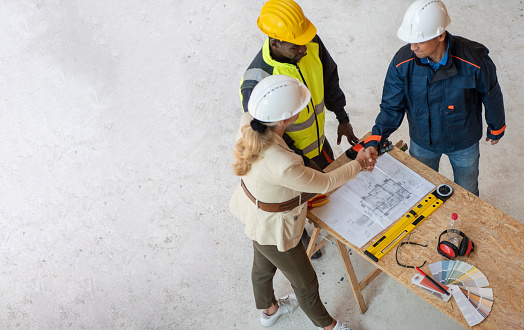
x,y
285,21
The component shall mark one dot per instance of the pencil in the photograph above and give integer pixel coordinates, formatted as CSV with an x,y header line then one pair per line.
x,y
434,282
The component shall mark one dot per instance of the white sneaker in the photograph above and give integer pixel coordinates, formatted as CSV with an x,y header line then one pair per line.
x,y
286,304
341,326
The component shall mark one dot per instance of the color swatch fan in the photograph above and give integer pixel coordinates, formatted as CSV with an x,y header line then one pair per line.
x,y
468,286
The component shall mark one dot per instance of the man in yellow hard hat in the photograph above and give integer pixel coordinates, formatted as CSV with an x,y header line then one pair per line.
x,y
293,48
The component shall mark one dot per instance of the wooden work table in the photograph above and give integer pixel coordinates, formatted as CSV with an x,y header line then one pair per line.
x,y
499,251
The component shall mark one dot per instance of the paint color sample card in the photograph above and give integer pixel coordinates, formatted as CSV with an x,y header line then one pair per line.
x,y
429,287
458,273
468,286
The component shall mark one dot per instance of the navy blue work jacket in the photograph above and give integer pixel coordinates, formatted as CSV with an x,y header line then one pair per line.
x,y
444,107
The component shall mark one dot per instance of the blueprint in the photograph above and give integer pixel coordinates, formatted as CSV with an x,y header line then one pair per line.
x,y
368,204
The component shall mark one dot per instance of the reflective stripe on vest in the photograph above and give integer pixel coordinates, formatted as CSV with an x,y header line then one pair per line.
x,y
255,74
313,147
310,122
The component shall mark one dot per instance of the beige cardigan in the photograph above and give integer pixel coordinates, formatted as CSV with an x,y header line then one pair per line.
x,y
279,176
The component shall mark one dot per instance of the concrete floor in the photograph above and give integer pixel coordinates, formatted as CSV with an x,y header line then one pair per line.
x,y
117,124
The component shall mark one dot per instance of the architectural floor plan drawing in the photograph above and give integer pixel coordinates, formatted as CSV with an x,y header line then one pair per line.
x,y
372,201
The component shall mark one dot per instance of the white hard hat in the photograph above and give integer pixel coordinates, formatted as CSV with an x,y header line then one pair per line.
x,y
278,97
423,21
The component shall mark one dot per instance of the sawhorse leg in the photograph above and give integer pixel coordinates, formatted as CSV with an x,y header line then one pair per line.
x,y
352,277
353,281
348,266
313,246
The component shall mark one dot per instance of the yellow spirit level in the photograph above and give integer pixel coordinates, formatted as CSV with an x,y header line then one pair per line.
x,y
406,224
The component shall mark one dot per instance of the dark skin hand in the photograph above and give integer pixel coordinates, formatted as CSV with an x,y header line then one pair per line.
x,y
493,142
346,130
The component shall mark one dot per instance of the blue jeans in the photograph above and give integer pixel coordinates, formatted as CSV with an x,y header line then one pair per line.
x,y
465,164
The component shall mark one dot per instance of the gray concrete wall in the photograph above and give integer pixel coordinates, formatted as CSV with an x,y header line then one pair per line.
x,y
117,122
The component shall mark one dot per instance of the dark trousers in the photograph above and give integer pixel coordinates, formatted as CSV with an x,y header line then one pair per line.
x,y
326,156
323,160
296,267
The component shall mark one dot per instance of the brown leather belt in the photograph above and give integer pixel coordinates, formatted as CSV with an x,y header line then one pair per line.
x,y
278,207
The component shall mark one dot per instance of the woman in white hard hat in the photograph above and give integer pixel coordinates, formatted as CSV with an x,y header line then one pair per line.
x,y
270,203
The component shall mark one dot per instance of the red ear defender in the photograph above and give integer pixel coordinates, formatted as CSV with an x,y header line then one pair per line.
x,y
470,247
447,249
450,251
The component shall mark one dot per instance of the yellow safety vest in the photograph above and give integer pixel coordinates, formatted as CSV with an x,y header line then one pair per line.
x,y
308,131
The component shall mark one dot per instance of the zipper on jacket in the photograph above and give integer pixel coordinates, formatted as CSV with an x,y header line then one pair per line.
x,y
313,107
429,112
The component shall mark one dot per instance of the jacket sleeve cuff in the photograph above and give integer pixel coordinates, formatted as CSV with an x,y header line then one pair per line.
x,y
496,134
372,141
352,152
342,116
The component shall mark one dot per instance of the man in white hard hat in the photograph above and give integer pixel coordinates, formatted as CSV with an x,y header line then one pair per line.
x,y
294,49
441,82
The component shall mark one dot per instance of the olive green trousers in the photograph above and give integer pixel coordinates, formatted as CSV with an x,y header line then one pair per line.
x,y
296,267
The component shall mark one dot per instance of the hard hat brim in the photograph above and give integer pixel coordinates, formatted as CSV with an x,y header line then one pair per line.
x,y
307,36
402,35
410,40
306,97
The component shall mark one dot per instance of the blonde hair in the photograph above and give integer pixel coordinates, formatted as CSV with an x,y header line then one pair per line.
x,y
249,147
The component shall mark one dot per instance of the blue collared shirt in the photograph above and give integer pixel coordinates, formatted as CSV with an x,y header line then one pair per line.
x,y
433,65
